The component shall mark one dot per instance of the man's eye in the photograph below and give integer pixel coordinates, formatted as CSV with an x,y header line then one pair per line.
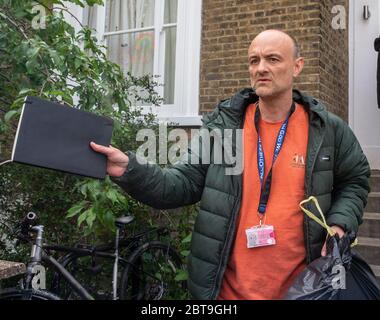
x,y
273,59
253,61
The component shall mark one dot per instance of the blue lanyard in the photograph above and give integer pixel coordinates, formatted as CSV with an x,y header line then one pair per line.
x,y
266,186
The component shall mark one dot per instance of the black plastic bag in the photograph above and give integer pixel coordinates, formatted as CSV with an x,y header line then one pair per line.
x,y
341,275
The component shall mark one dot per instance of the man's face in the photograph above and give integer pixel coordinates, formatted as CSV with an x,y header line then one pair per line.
x,y
272,64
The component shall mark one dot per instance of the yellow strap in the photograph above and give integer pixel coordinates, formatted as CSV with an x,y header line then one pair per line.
x,y
322,222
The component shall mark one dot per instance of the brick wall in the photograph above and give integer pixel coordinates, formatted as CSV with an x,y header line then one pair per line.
x,y
334,64
230,25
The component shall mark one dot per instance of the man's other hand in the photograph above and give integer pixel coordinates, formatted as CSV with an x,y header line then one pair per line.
x,y
117,161
340,233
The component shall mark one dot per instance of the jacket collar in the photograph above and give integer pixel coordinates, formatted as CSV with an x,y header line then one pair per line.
x,y
242,99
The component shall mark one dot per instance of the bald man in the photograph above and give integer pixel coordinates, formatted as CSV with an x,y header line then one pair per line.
x,y
250,239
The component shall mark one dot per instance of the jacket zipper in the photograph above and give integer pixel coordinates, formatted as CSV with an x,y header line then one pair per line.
x,y
229,238
308,190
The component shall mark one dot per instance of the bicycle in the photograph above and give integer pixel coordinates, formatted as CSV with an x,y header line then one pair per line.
x,y
149,268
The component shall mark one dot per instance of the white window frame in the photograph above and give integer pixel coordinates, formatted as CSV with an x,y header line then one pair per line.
x,y
185,110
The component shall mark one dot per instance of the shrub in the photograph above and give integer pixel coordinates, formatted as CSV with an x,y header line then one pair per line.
x,y
58,64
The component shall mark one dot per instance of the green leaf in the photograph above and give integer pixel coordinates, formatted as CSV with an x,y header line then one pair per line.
x,y
94,188
26,91
9,115
55,93
91,218
67,98
18,103
182,275
77,63
78,2
83,189
109,219
92,2
185,253
58,61
31,65
74,210
84,216
122,199
33,52
187,239
112,195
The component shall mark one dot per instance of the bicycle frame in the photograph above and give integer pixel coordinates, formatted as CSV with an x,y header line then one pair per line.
x,y
38,255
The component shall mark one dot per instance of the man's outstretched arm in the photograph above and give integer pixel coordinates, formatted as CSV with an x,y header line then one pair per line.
x,y
173,187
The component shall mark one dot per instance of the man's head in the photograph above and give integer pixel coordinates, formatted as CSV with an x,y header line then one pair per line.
x,y
274,61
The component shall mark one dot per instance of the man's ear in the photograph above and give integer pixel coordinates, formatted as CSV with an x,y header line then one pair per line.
x,y
298,66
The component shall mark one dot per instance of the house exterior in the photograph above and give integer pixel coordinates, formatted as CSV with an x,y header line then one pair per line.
x,y
199,50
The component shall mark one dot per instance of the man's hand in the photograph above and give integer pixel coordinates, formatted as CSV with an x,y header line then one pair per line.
x,y
117,161
340,233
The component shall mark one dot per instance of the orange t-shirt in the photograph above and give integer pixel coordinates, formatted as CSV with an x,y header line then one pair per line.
x,y
267,272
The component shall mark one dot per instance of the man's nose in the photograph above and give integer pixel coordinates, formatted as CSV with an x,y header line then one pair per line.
x,y
262,66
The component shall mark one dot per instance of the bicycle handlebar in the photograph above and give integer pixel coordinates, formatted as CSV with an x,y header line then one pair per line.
x,y
23,228
28,222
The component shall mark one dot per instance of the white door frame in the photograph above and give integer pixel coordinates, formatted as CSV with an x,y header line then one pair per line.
x,y
371,155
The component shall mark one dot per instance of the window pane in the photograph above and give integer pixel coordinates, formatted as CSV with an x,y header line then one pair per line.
x,y
133,52
129,14
170,50
90,16
170,11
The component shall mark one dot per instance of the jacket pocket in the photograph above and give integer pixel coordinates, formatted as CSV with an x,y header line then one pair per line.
x,y
325,159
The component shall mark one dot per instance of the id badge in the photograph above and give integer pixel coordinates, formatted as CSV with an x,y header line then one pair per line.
x,y
260,236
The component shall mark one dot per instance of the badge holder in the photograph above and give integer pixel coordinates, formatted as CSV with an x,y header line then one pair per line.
x,y
260,236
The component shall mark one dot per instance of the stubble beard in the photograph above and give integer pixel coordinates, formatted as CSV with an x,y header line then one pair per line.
x,y
269,92
264,91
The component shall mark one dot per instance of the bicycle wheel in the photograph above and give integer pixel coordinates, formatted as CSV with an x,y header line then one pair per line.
x,y
150,274
93,273
24,294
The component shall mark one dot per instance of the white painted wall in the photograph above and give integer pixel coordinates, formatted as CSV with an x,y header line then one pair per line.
x,y
364,114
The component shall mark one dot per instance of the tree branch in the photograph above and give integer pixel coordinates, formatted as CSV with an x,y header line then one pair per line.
x,y
14,24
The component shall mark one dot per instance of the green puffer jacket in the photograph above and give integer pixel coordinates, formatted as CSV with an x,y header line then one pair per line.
x,y
340,185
